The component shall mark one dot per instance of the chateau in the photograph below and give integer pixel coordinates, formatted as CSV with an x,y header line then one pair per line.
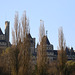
x,y
51,53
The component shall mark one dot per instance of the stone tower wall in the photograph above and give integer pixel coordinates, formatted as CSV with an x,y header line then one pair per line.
x,y
7,32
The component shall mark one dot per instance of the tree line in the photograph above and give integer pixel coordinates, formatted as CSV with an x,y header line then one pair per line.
x,y
17,59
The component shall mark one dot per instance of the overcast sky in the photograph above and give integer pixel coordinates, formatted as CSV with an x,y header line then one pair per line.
x,y
54,13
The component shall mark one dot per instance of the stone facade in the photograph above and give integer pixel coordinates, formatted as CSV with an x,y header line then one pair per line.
x,y
4,38
51,53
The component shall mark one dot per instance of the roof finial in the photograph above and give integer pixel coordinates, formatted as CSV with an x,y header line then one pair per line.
x,y
29,30
46,32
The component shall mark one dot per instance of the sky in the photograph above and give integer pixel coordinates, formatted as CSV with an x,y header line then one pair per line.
x,y
54,13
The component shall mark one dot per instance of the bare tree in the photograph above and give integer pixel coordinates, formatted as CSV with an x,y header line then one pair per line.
x,y
26,52
20,52
41,30
14,52
25,25
62,58
42,56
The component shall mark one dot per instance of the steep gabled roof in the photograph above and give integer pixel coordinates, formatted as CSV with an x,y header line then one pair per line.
x,y
1,32
47,41
30,37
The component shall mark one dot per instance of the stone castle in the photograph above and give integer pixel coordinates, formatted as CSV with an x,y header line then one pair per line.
x,y
51,53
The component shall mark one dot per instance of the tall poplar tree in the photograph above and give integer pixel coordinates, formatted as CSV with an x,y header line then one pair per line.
x,y
26,51
41,55
62,58
14,52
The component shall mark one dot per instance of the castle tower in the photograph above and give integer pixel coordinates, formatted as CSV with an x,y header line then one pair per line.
x,y
7,32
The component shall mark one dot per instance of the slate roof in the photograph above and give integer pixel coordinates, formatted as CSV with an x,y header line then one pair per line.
x,y
69,51
31,39
1,32
29,35
47,41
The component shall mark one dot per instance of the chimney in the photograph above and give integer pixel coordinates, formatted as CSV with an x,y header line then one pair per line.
x,y
7,32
